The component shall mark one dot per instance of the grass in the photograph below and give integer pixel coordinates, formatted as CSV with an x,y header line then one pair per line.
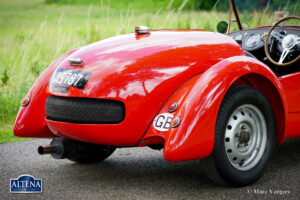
x,y
138,4
6,134
34,33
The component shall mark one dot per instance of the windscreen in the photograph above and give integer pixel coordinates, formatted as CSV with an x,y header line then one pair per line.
x,y
255,13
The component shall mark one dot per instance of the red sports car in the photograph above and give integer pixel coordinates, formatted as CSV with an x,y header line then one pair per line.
x,y
228,98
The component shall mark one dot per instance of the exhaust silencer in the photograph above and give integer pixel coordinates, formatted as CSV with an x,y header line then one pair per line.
x,y
60,148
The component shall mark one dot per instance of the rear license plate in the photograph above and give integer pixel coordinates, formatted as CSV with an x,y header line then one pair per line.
x,y
70,78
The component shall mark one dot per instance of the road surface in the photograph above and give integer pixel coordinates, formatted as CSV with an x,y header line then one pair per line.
x,y
140,173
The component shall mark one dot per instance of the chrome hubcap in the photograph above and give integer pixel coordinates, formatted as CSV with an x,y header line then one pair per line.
x,y
245,137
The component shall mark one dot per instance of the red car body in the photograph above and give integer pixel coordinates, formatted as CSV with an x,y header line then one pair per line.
x,y
149,72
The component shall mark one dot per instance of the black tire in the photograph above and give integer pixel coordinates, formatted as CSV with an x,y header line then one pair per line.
x,y
92,154
218,166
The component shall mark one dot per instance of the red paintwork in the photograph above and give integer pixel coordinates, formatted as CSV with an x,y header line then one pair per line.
x,y
142,73
30,120
199,100
147,73
291,84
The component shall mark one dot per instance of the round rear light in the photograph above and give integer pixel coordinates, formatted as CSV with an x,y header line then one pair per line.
x,y
172,107
25,101
175,122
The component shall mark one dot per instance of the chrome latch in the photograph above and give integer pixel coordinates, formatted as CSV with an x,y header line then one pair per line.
x,y
142,30
75,61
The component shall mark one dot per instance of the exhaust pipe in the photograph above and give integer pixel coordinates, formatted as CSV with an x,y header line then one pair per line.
x,y
46,149
58,148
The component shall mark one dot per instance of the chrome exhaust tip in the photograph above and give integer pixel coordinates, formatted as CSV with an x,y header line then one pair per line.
x,y
42,150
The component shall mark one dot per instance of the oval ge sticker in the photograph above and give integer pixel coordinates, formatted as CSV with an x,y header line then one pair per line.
x,y
162,122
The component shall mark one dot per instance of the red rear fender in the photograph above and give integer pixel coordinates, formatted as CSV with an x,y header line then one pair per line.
x,y
30,121
199,100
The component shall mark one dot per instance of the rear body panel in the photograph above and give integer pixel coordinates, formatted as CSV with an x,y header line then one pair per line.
x,y
142,72
147,73
30,121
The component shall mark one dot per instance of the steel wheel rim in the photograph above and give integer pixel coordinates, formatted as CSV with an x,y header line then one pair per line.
x,y
245,137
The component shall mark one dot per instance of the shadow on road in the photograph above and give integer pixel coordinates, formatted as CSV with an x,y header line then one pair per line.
x,y
142,173
134,169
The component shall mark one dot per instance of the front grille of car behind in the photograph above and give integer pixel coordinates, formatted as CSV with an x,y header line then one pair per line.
x,y
84,110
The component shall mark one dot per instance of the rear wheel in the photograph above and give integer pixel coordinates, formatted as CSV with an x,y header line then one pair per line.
x,y
244,137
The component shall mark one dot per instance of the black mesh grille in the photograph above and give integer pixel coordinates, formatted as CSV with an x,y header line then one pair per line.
x,y
84,110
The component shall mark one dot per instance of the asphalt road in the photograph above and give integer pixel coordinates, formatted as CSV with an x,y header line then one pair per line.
x,y
140,173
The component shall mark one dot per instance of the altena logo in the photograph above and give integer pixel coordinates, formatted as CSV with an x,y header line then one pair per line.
x,y
25,184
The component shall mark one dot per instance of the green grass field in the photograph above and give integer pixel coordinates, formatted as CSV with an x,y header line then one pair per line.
x,y
34,33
